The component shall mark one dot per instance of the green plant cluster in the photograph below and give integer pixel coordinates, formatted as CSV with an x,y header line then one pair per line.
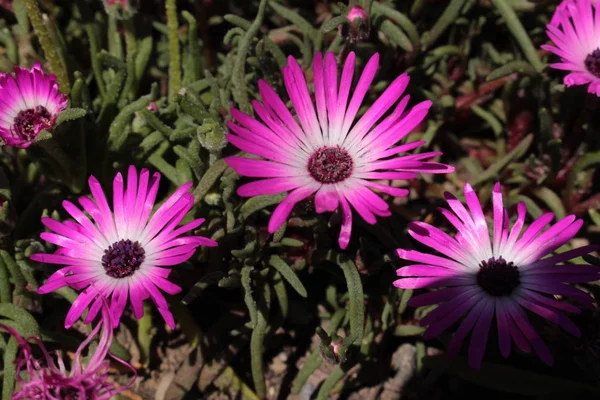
x,y
154,88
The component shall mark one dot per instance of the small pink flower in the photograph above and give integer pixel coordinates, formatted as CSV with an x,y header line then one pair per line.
x,y
575,31
152,107
30,101
123,253
331,153
48,378
500,277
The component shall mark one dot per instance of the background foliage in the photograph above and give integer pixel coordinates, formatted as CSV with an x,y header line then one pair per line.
x,y
258,314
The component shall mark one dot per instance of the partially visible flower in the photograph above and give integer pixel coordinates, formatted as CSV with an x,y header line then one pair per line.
x,y
120,8
30,101
6,4
331,153
123,253
575,31
48,377
500,277
560,10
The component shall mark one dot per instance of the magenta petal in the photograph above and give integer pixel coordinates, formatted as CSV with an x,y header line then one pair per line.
x,y
466,327
79,306
284,209
532,337
326,200
502,321
435,297
346,228
480,334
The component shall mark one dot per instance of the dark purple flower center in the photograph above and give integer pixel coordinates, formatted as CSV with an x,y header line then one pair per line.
x,y
498,277
69,393
592,63
123,258
28,123
330,164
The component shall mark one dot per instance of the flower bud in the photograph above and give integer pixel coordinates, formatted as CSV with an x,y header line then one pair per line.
x,y
359,24
6,4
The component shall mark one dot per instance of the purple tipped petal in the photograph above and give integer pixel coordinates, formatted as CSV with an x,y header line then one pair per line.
x,y
496,279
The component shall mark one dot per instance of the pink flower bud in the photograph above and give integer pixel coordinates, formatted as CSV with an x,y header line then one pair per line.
x,y
359,28
356,13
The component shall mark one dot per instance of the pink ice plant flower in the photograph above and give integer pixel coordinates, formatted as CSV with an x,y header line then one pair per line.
x,y
575,31
48,378
501,277
329,152
123,254
30,102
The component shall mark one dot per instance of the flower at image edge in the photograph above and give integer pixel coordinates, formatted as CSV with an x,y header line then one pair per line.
x,y
575,31
46,378
30,102
499,278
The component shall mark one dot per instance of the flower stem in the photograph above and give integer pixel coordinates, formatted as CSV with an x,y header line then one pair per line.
x,y
174,49
50,48
131,46
240,93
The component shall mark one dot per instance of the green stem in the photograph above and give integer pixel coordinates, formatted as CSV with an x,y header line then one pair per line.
x,y
240,93
90,30
144,334
131,43
334,377
10,354
5,294
449,16
174,49
50,48
257,348
516,28
357,305
14,271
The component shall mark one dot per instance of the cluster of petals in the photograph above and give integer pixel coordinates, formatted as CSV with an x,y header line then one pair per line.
x,y
123,254
502,276
325,149
30,102
575,31
49,379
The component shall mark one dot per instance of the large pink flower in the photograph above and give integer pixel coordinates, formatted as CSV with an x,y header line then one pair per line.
x,y
50,379
123,253
30,101
499,278
331,153
575,31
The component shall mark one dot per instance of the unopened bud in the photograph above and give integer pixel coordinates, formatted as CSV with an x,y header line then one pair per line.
x,y
6,4
359,28
212,136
